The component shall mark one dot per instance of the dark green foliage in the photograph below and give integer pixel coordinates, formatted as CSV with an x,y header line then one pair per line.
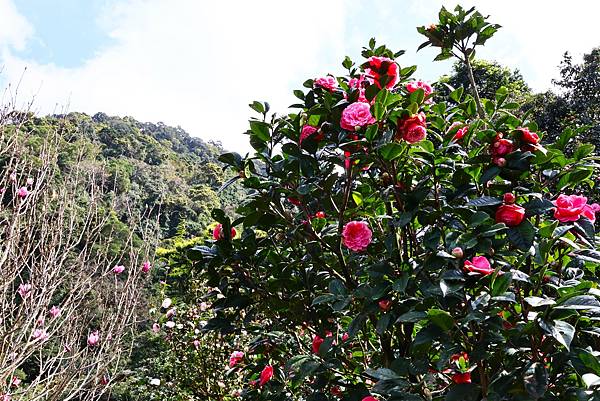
x,y
161,170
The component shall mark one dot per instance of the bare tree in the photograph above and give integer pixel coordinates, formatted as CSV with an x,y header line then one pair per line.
x,y
67,299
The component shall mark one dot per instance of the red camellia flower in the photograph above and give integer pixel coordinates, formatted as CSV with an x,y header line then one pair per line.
x,y
459,378
380,68
385,305
412,129
571,207
327,82
356,235
308,131
509,198
369,398
456,357
266,375
479,264
316,344
461,132
529,137
356,115
502,147
218,232
320,215
511,215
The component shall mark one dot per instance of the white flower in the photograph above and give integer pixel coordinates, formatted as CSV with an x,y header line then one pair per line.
x,y
155,382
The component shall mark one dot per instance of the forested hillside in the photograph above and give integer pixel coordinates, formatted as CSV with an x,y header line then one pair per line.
x,y
162,171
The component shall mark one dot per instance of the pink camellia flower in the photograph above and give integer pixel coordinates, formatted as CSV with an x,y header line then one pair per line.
x,y
415,85
24,290
370,398
15,382
155,327
316,343
457,252
328,82
357,83
356,115
196,343
590,211
382,69
529,137
40,334
218,232
357,235
54,311
170,324
93,338
266,375
511,215
235,358
570,207
29,181
479,264
22,192
146,266
499,161
308,131
412,128
118,269
166,303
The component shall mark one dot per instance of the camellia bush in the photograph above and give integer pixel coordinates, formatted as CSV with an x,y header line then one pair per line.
x,y
399,246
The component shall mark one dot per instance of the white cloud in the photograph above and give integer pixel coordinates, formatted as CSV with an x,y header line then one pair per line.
x,y
534,34
194,64
14,28
198,64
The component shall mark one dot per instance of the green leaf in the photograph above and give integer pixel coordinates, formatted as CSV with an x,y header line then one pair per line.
x,y
535,380
463,392
484,201
522,236
500,284
591,380
538,301
356,325
412,317
357,197
440,318
580,302
391,151
260,129
563,333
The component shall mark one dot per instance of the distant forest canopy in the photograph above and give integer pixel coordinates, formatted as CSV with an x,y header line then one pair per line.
x,y
169,175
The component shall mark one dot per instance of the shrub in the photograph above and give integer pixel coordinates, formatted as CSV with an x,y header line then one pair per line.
x,y
414,250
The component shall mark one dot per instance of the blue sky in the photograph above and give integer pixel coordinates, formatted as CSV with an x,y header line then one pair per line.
x,y
198,64
67,32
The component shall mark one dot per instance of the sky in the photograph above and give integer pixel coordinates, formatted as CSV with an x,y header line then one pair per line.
x,y
198,64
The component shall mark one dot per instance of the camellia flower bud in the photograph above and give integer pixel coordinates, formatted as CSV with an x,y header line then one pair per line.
x,y
457,252
509,198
